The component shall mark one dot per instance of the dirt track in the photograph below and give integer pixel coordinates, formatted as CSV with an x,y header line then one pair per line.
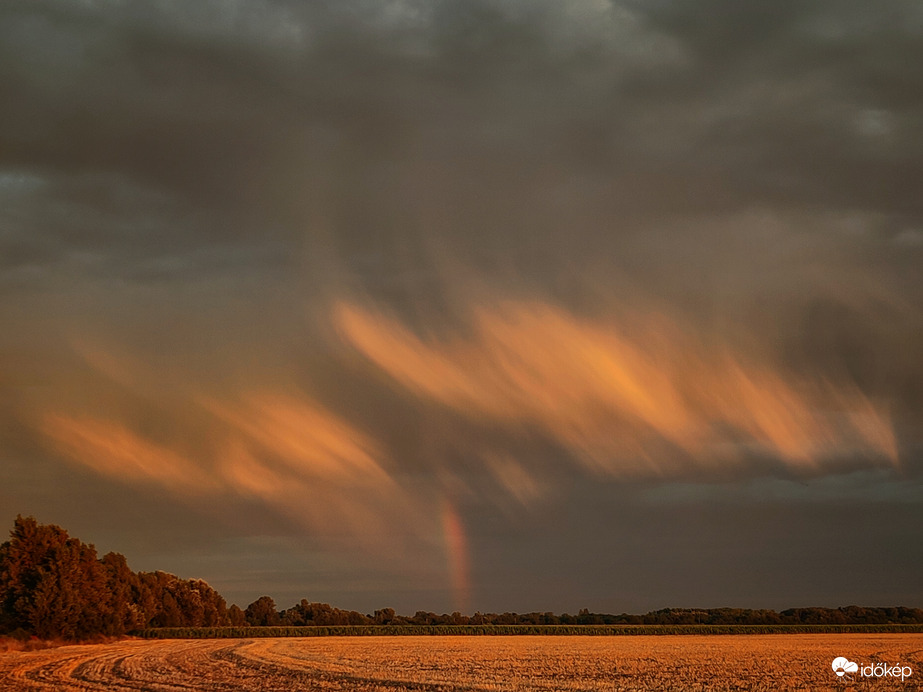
x,y
749,662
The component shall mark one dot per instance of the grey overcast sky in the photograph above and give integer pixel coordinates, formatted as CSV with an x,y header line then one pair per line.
x,y
487,305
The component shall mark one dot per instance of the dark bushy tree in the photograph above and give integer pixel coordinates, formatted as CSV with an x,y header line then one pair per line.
x,y
236,617
53,586
262,612
126,613
305,614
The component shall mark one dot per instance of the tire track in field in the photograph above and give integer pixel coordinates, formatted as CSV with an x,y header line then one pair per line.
x,y
259,662
214,665
70,668
43,670
170,666
174,666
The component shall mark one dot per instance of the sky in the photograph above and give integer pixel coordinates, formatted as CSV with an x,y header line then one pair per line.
x,y
501,305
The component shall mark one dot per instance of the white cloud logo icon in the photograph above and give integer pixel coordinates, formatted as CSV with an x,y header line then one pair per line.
x,y
841,666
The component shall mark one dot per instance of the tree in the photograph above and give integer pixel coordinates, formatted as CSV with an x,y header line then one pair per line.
x,y
236,617
262,612
124,613
385,616
52,585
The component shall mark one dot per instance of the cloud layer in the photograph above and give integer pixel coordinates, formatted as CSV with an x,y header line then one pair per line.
x,y
375,274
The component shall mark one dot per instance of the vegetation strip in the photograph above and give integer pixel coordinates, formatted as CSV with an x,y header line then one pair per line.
x,y
482,630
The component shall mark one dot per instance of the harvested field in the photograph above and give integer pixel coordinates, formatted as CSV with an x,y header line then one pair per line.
x,y
731,662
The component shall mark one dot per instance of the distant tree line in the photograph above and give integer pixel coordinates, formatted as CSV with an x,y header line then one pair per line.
x,y
322,614
55,587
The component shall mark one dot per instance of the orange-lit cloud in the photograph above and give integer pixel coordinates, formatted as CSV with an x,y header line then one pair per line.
x,y
294,455
113,450
287,452
622,397
309,441
632,396
515,477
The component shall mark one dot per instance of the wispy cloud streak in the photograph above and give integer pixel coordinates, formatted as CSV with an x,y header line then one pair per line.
x,y
623,396
285,452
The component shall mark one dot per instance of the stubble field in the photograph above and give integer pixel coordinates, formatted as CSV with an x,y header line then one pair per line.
x,y
377,664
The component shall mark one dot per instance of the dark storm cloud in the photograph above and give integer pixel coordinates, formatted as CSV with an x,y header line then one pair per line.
x,y
273,110
815,104
369,213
